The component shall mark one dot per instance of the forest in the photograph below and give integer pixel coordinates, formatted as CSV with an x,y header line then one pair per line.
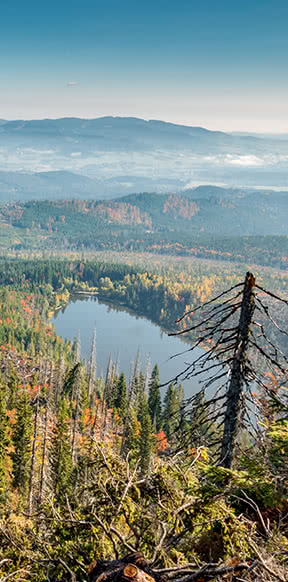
x,y
94,468
234,229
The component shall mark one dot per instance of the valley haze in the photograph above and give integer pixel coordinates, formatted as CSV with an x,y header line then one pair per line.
x,y
111,156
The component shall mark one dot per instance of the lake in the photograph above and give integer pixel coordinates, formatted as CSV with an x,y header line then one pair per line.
x,y
120,334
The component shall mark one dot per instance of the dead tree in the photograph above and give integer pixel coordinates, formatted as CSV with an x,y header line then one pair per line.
x,y
33,454
92,370
233,339
234,392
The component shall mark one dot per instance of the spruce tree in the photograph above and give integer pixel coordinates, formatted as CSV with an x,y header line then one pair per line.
x,y
61,453
199,422
22,441
146,439
171,411
71,381
131,433
181,395
140,393
12,389
154,399
121,396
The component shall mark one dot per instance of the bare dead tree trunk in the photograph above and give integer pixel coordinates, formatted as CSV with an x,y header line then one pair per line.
x,y
76,395
49,373
91,442
92,369
232,413
57,375
104,422
227,342
43,457
106,393
31,479
74,429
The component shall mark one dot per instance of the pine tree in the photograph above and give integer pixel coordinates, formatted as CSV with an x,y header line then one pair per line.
x,y
154,399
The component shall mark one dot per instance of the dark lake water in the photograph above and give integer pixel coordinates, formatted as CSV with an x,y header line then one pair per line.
x,y
120,334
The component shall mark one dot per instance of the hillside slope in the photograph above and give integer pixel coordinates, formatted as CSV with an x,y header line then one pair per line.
x,y
231,224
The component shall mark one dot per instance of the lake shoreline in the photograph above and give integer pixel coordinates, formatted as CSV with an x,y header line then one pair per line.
x,y
122,304
120,329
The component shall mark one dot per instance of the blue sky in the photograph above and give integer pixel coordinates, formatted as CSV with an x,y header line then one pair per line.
x,y
219,64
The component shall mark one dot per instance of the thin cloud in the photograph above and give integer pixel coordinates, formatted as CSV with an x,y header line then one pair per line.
x,y
72,83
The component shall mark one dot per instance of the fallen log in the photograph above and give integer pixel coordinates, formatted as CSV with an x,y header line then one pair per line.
x,y
131,568
135,568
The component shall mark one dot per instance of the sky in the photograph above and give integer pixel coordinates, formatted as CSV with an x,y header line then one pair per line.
x,y
217,64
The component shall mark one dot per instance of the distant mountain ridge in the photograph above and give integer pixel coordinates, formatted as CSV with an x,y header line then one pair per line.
x,y
128,154
76,124
129,129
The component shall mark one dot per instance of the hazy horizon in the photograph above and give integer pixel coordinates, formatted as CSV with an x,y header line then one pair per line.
x,y
238,128
168,121
218,66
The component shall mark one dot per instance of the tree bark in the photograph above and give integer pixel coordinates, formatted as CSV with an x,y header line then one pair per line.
x,y
237,380
32,468
43,457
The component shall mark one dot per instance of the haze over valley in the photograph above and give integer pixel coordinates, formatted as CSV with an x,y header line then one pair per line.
x,y
111,156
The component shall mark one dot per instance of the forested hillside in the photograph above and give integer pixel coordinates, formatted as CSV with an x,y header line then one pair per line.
x,y
95,468
159,293
213,223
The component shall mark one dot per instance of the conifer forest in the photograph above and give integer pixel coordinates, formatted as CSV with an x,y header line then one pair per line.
x,y
102,470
